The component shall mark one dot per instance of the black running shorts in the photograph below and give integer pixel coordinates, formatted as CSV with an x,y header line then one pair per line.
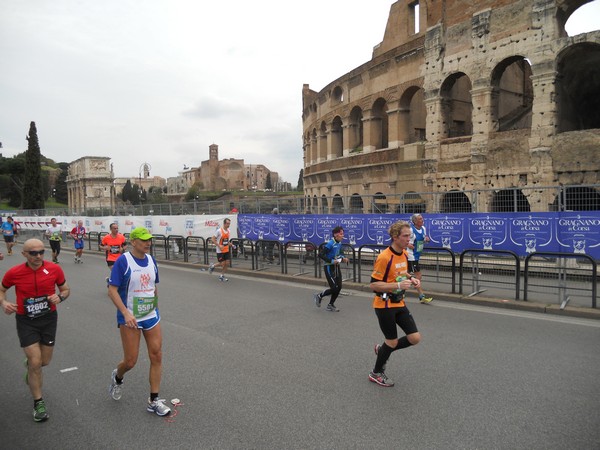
x,y
390,317
41,329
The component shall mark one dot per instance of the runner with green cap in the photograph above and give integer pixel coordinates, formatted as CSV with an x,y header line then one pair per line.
x,y
132,289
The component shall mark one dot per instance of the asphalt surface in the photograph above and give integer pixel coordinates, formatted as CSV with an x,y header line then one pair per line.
x,y
258,366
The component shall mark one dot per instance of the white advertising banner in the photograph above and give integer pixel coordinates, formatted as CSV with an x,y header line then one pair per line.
x,y
200,225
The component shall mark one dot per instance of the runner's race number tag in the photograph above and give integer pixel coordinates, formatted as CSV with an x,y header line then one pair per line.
x,y
142,306
36,306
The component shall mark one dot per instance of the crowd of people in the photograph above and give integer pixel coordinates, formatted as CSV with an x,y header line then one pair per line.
x,y
41,286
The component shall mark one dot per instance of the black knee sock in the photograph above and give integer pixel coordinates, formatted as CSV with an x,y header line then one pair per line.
x,y
402,343
383,355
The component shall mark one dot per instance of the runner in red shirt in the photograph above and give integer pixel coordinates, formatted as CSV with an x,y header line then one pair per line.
x,y
78,234
35,285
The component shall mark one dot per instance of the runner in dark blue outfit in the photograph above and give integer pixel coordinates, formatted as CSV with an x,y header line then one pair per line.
x,y
333,255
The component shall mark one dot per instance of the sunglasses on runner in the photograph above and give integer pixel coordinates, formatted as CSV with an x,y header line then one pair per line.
x,y
36,252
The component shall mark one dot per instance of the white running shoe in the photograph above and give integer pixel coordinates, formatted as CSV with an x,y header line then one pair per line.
x,y
158,406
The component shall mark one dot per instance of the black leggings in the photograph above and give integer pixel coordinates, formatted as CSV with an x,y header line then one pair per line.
x,y
55,246
334,278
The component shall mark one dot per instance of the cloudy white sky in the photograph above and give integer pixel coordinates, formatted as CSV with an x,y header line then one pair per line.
x,y
158,81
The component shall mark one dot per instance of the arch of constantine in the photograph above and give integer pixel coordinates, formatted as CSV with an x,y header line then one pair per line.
x,y
460,96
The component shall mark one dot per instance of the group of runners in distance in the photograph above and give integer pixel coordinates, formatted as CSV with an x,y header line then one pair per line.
x,y
40,286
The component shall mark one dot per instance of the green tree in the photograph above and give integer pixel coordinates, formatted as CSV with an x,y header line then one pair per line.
x,y
301,180
33,196
132,193
155,195
126,193
62,195
193,193
11,179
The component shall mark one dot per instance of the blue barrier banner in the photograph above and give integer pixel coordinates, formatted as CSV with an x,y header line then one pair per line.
x,y
521,233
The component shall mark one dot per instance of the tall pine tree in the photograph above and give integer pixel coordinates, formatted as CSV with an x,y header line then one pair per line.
x,y
33,197
300,181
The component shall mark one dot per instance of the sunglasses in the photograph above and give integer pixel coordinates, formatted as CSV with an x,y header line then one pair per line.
x,y
36,252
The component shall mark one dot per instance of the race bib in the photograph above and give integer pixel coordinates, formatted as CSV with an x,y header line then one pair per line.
x,y
114,249
420,245
79,236
142,306
36,306
225,241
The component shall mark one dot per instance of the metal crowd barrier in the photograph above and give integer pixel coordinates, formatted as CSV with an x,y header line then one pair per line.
x,y
266,251
242,253
490,269
94,237
568,276
196,250
160,246
176,247
435,263
368,253
303,255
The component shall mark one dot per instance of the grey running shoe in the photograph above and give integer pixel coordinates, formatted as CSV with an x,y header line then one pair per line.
x,y
222,278
332,308
211,268
381,379
317,298
39,412
158,406
115,388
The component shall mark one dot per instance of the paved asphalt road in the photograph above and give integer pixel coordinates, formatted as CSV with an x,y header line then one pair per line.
x,y
258,366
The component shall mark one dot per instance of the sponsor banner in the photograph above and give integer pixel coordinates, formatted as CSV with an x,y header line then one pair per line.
x,y
521,233
200,226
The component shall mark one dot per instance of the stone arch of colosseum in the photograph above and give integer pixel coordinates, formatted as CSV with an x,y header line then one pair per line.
x,y
491,99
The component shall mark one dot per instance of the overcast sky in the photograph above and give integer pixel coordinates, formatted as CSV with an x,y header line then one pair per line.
x,y
158,81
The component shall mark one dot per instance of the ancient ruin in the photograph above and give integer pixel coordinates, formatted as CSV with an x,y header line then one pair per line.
x,y
465,106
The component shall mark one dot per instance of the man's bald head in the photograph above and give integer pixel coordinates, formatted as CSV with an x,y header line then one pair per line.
x,y
33,244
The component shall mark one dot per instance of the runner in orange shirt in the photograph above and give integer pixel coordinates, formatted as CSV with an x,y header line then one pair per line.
x,y
221,240
389,281
114,245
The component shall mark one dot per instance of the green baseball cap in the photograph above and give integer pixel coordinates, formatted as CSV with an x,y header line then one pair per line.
x,y
140,233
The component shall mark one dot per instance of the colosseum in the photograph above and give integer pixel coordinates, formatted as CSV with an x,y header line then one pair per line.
x,y
480,105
